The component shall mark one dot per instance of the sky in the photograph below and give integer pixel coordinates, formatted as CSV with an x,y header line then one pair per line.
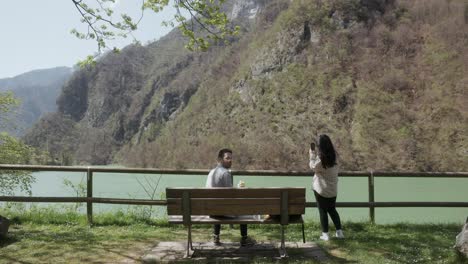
x,y
36,34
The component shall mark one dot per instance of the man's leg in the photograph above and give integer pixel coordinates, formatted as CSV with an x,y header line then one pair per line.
x,y
245,240
216,231
243,230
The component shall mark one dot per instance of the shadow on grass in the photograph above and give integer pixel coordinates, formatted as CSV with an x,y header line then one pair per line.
x,y
240,255
48,246
13,260
265,253
402,243
461,258
267,234
127,256
7,240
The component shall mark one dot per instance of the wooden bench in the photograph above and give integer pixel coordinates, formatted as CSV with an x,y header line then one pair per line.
x,y
189,206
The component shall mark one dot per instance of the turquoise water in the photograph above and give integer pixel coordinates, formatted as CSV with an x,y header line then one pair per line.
x,y
351,189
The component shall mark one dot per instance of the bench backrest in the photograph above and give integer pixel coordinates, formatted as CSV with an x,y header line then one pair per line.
x,y
235,201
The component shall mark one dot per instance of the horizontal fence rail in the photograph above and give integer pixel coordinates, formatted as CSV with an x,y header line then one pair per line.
x,y
81,200
164,202
234,172
90,200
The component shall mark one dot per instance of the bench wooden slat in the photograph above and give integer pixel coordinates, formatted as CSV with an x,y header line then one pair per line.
x,y
234,192
226,207
173,201
237,206
297,200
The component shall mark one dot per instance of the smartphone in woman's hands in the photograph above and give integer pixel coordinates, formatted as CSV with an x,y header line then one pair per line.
x,y
312,146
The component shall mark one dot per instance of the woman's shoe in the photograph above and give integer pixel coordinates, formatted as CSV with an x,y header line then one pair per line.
x,y
339,233
325,236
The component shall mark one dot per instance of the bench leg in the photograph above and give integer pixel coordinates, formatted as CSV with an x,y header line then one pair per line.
x,y
283,252
303,233
190,237
189,242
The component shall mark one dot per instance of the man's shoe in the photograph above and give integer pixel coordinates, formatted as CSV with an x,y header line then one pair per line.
x,y
247,241
325,236
216,240
339,233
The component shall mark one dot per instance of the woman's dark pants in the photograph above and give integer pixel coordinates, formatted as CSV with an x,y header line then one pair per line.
x,y
327,206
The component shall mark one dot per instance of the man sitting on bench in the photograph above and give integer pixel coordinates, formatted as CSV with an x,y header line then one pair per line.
x,y
221,177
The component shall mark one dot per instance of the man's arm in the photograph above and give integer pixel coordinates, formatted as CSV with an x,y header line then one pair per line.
x,y
209,180
227,179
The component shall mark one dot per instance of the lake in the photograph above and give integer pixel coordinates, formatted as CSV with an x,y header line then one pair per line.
x,y
351,189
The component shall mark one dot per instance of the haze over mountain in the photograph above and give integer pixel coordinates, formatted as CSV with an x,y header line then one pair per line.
x,y
37,91
386,79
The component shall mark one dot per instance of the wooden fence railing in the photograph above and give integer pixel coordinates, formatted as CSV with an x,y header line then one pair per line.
x,y
90,200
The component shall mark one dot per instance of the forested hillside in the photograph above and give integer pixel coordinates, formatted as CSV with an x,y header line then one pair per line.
x,y
36,91
386,79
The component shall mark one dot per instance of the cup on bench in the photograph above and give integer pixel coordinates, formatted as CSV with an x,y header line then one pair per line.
x,y
241,184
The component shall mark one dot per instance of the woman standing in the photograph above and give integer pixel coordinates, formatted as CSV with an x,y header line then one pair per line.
x,y
325,183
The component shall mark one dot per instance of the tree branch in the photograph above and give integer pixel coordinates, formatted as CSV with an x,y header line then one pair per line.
x,y
197,20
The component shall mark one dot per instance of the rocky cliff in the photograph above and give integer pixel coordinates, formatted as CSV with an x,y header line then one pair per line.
x,y
385,79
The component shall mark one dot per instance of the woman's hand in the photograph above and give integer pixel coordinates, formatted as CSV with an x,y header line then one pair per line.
x,y
311,154
312,159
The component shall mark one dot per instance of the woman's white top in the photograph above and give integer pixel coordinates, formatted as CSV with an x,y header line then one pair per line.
x,y
325,181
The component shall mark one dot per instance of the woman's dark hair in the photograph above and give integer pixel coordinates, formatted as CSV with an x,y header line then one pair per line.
x,y
326,151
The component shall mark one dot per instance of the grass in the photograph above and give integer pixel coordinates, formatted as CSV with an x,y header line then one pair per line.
x,y
49,236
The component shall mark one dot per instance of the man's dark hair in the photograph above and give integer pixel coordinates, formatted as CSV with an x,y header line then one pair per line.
x,y
222,151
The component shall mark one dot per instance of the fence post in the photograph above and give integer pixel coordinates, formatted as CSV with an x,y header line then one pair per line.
x,y
371,197
89,205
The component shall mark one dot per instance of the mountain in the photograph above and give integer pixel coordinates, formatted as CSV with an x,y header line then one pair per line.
x,y
37,91
385,79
